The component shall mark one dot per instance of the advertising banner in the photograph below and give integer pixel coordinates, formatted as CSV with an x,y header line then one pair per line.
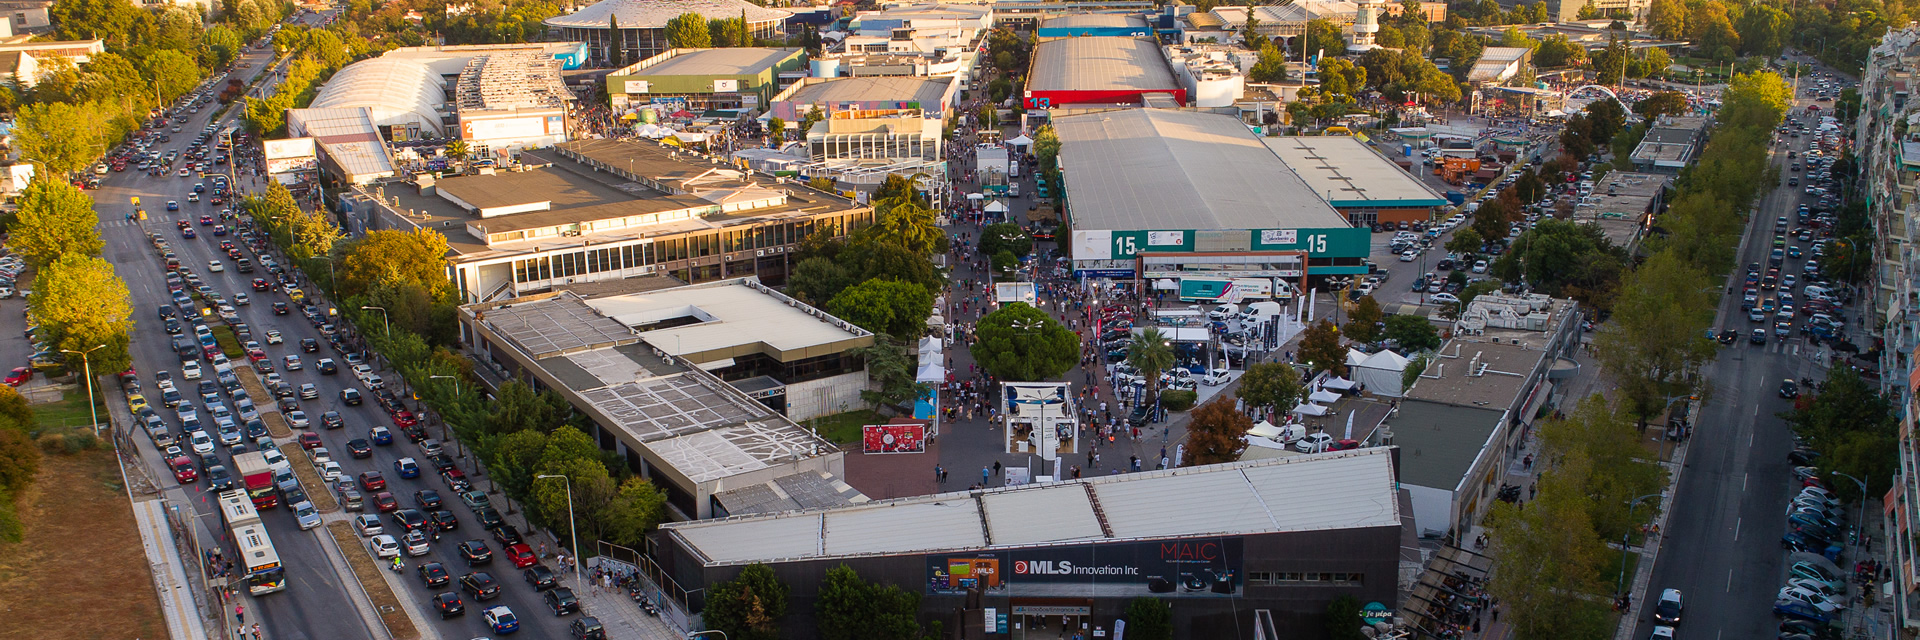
x,y
291,155
1189,568
893,438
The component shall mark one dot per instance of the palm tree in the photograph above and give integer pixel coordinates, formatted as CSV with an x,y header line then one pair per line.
x,y
904,223
458,150
1151,353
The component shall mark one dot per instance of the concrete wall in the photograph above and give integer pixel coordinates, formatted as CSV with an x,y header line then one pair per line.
x,y
826,396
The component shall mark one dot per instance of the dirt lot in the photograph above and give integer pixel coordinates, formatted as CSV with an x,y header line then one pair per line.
x,y
81,572
368,572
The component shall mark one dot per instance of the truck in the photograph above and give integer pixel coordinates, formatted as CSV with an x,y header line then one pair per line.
x,y
257,476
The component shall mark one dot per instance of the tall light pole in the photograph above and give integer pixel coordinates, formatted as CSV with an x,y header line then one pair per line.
x,y
93,407
1631,504
1862,522
572,531
385,321
443,419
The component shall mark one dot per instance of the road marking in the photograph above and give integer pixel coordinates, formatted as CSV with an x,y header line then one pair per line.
x,y
1745,476
1736,528
1729,581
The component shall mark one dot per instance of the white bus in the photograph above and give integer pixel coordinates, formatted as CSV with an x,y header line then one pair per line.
x,y
259,562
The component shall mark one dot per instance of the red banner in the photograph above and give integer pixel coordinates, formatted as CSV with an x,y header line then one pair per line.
x,y
894,438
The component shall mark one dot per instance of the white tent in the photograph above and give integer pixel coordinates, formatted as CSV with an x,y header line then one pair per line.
x,y
1381,373
1342,384
1264,429
1020,141
931,372
1355,357
996,207
1311,409
1324,396
1166,284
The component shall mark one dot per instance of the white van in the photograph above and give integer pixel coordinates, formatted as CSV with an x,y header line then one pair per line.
x,y
1223,312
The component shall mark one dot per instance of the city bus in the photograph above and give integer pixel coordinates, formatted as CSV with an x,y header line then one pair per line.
x,y
258,561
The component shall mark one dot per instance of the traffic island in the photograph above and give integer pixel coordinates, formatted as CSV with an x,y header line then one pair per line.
x,y
379,594
318,492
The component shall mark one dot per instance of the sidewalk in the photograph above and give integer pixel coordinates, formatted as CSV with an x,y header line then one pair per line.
x,y
620,614
178,596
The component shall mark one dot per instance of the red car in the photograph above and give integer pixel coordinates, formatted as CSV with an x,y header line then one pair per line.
x,y
404,418
385,502
261,284
372,480
19,376
256,355
309,440
183,470
521,555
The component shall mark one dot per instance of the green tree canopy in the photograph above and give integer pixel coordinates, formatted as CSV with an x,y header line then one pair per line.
x,y
749,606
818,279
1149,619
55,219
1150,352
635,511
1363,322
416,256
689,31
1656,342
1414,333
61,138
850,608
1274,386
1321,350
898,309
1565,259
80,304
1022,344
1005,236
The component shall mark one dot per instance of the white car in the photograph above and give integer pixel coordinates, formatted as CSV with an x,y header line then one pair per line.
x,y
415,543
1817,601
1479,266
190,370
1216,378
330,471
1314,442
1409,256
384,546
1444,298
215,266
202,443
297,419
276,460
368,524
305,513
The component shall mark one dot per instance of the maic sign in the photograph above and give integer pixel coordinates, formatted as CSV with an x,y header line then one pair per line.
x,y
1199,567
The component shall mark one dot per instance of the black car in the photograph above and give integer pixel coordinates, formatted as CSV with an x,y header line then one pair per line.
x,y
440,462
254,429
506,534
410,519
327,367
1729,336
587,628
332,420
481,584
218,479
1802,457
449,605
360,448
309,345
1759,336
350,396
435,574
1789,389
562,602
540,577
476,552
1806,628
428,499
443,520
488,518
1141,415
280,309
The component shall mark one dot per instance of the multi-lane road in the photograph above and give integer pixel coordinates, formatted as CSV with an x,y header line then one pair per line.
x,y
317,603
1722,546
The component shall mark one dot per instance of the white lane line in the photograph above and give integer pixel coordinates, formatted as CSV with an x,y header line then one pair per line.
x,y
1729,581
1743,481
1736,528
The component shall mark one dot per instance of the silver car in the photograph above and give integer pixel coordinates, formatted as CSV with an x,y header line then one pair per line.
x,y
305,513
415,543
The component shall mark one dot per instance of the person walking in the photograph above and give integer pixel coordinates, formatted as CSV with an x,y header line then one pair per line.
x,y
986,475
240,613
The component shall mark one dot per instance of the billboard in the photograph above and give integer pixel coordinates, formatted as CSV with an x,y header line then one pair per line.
x,y
1102,244
291,155
502,128
1184,568
893,438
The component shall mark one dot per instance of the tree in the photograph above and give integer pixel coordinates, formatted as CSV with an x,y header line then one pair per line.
x,y
1046,146
1655,343
1763,30
1667,19
1660,104
1619,469
850,608
1321,350
1343,614
577,504
55,219
898,309
1323,36
1150,352
15,413
1149,619
893,369
1465,241
1216,433
749,606
817,280
19,461
1363,323
1022,344
1656,62
777,132
1854,425
907,224
1550,558
635,512
80,304
173,72
1414,333
459,151
1557,51
61,138
1495,217
689,31
513,459
1566,259
517,407
1271,68
1005,236
417,256
1274,386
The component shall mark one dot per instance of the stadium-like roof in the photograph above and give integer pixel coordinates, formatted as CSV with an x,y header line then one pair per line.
x,y
654,14
394,90
1100,63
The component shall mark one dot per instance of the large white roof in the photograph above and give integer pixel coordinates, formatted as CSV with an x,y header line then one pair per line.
x,y
395,90
1351,490
654,14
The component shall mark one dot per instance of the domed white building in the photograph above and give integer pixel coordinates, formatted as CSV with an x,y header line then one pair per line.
x,y
643,24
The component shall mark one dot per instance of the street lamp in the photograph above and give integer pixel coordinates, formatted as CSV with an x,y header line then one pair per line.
x,y
571,530
443,419
1862,522
93,407
384,320
1631,505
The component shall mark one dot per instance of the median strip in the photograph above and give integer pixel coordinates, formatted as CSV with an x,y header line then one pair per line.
x,y
318,492
379,594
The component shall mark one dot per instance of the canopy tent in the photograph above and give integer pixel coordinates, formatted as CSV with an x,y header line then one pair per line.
x,y
931,372
1020,141
976,196
1264,429
1324,396
1165,284
1310,409
931,345
1355,357
1342,384
996,207
1380,373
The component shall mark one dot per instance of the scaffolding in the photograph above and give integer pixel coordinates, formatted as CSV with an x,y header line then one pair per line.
x,y
929,176
511,80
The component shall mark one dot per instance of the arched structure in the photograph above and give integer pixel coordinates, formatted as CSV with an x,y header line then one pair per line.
x,y
398,91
